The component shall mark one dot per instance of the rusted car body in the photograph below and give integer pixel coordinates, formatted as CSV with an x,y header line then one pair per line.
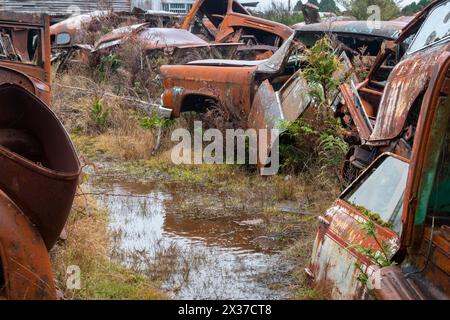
x,y
25,52
71,38
177,44
354,35
228,21
380,113
230,83
405,196
249,88
247,37
72,31
39,166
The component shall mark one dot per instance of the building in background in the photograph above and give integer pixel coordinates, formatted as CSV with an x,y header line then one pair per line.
x,y
176,6
63,7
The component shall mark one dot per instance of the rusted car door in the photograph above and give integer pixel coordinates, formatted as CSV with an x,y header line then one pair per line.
x,y
272,108
426,217
344,254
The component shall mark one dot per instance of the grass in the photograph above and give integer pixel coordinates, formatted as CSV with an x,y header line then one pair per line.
x,y
87,247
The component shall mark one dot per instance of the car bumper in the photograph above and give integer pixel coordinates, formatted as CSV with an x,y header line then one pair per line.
x,y
164,112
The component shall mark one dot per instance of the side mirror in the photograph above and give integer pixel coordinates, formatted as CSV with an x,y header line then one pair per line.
x,y
62,39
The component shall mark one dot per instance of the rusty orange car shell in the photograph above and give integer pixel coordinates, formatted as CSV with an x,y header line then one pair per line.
x,y
177,45
38,163
235,84
419,237
36,77
231,22
381,116
416,190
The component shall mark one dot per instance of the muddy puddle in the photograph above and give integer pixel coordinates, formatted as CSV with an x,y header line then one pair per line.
x,y
192,258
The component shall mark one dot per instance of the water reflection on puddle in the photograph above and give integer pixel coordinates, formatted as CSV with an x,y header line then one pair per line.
x,y
195,258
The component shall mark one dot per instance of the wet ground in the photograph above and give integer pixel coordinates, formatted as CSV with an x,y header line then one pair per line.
x,y
193,257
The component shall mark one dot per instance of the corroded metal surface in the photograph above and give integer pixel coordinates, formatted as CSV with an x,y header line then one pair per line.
x,y
387,29
335,254
30,72
422,246
23,257
150,38
231,86
43,184
38,163
408,80
229,21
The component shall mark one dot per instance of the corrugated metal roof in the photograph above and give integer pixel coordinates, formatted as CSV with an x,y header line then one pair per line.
x,y
62,7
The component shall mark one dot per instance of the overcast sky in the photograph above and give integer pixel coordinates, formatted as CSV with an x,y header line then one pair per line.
x,y
265,3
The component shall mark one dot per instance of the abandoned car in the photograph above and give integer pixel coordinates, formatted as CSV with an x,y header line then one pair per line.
x,y
241,36
177,45
380,113
40,167
388,234
228,21
261,93
356,37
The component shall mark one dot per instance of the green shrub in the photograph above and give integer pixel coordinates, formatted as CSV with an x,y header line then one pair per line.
x,y
99,115
109,63
155,122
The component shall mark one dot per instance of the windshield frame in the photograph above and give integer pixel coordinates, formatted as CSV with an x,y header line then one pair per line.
x,y
443,40
40,48
395,218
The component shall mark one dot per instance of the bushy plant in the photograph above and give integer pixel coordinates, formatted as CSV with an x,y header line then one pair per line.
x,y
108,64
279,12
99,115
322,65
155,122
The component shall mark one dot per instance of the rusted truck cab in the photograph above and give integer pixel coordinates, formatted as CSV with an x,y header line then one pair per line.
x,y
388,235
380,113
38,164
238,86
25,53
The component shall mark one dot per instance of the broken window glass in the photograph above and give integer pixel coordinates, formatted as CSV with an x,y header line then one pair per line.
x,y
381,191
435,29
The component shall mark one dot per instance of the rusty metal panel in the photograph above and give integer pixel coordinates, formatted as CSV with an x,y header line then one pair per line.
x,y
36,69
391,284
266,108
294,97
41,180
407,81
23,257
334,258
387,29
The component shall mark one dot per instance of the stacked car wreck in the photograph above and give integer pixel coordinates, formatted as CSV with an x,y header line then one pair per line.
x,y
39,166
211,29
